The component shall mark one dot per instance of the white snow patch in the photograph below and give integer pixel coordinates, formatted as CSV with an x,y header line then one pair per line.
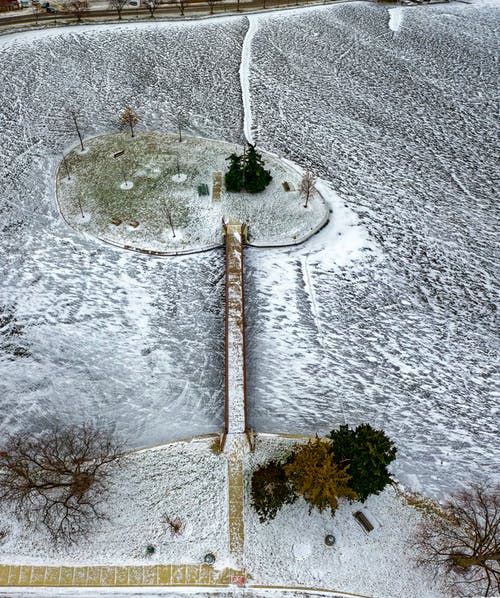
x,y
179,178
183,479
344,239
395,18
127,185
79,219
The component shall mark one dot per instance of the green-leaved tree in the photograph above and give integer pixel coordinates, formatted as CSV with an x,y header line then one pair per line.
x,y
234,176
366,453
257,178
271,490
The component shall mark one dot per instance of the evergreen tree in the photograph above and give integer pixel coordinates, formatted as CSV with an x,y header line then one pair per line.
x,y
270,490
247,172
367,453
257,178
315,476
234,176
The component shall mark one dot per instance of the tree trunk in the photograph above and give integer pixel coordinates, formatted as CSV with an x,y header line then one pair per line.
x,y
78,132
465,561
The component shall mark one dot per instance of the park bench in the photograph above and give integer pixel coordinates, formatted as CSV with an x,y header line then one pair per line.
x,y
116,221
134,223
203,189
118,154
366,520
286,186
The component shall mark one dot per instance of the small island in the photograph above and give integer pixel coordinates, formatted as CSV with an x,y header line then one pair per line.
x,y
153,193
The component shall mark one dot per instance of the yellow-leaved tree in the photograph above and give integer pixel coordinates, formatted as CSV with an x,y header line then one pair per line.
x,y
316,478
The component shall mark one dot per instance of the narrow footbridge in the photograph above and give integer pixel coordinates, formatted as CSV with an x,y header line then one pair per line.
x,y
236,437
235,370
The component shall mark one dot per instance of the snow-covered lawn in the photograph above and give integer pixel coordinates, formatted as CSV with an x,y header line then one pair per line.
x,y
142,192
186,480
290,550
181,480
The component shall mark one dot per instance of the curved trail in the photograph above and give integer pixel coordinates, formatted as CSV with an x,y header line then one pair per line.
x,y
246,51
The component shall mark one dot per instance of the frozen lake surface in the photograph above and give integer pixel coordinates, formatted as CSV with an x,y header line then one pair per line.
x,y
400,121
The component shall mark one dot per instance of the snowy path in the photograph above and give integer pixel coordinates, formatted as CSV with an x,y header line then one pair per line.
x,y
245,77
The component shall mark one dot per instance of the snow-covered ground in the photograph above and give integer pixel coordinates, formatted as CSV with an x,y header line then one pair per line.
x,y
146,488
187,481
386,316
291,550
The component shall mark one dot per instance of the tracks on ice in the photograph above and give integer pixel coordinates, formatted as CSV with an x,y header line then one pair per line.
x,y
246,52
309,288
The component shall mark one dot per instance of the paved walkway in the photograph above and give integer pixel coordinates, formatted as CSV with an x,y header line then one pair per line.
x,y
236,502
115,576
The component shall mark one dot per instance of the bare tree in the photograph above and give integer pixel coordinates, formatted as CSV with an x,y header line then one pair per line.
x,y
211,5
118,5
307,186
175,524
130,118
465,540
181,121
58,479
181,5
35,9
77,8
151,5
74,117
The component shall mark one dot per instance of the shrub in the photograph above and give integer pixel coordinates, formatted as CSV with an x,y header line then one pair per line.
x,y
216,446
367,453
270,490
314,475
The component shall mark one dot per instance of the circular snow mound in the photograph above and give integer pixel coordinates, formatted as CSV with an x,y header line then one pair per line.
x,y
302,550
135,213
179,178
